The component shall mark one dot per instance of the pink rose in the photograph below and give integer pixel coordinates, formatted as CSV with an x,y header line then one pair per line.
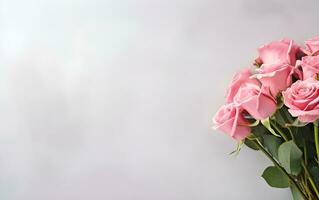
x,y
277,77
229,119
278,52
312,46
256,100
240,78
246,92
310,66
302,99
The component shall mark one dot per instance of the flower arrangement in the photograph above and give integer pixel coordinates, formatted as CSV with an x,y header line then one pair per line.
x,y
273,106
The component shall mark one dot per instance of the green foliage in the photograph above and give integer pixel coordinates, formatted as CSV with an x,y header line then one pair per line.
x,y
314,171
289,156
290,145
249,143
272,144
266,123
295,193
275,177
283,117
296,123
259,131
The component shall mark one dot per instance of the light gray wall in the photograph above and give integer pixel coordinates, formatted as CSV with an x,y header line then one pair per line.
x,y
113,99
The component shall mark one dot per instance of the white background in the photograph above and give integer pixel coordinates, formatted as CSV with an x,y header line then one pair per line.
x,y
113,100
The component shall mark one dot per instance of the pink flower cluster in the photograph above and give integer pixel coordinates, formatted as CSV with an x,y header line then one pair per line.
x,y
282,68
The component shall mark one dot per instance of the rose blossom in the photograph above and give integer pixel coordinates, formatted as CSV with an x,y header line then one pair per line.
x,y
240,78
312,46
310,66
246,92
277,77
278,52
256,100
302,99
229,120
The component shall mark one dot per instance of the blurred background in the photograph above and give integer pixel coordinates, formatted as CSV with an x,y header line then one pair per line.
x,y
113,99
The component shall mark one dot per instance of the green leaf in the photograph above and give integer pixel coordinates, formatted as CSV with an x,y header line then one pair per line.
x,y
259,130
266,123
279,118
286,115
298,135
272,144
275,177
289,156
251,144
283,117
295,193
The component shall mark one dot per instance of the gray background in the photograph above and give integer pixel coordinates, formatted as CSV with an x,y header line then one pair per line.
x,y
114,99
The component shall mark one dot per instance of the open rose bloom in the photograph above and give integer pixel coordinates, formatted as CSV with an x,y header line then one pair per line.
x,y
272,106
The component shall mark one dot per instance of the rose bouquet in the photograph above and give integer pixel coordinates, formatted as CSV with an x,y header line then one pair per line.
x,y
273,107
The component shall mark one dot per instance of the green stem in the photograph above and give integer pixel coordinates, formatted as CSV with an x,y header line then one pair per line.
x,y
291,134
305,163
282,134
293,181
305,186
315,127
312,182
